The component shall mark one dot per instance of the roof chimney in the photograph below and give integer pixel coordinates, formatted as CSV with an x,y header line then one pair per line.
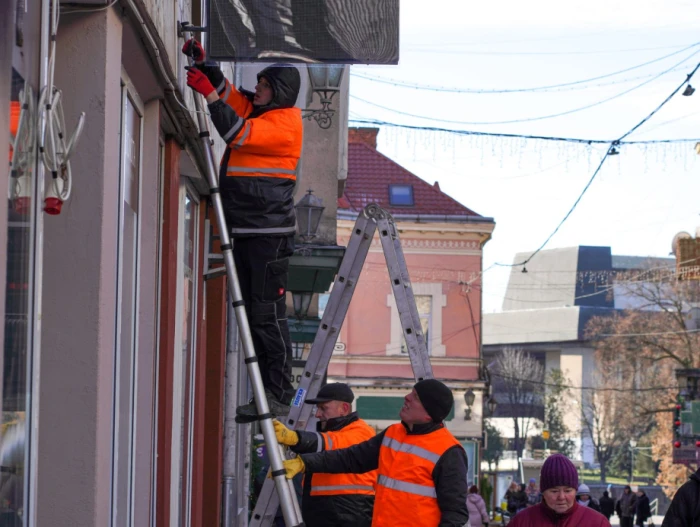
x,y
367,136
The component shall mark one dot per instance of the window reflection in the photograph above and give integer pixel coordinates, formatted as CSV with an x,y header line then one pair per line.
x,y
22,164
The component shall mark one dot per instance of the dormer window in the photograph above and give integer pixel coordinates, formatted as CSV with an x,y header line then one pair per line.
x,y
401,195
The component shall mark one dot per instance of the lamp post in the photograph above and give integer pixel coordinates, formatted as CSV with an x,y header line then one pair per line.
x,y
325,80
469,398
309,210
633,445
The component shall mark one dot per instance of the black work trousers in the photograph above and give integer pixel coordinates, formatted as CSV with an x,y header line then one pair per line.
x,y
627,521
262,263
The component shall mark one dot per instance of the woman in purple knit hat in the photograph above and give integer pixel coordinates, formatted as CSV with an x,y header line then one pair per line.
x,y
558,508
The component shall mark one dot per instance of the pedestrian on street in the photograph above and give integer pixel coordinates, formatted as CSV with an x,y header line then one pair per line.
x,y
584,498
476,507
642,508
625,507
558,484
333,499
263,135
685,507
607,505
533,493
422,466
516,498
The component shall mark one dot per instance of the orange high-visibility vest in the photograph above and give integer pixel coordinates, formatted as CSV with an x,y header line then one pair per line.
x,y
335,484
15,111
406,492
268,145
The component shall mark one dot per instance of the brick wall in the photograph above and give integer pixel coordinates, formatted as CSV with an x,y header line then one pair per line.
x,y
367,136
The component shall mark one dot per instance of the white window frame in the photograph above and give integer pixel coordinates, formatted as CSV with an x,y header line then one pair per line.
x,y
439,301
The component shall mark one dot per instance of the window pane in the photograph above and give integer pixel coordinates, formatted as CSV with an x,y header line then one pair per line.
x,y
17,306
400,194
424,304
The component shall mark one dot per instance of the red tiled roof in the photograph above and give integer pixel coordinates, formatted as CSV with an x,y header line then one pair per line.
x,y
369,175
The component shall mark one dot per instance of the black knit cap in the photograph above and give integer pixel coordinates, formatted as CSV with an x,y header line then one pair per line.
x,y
435,397
335,391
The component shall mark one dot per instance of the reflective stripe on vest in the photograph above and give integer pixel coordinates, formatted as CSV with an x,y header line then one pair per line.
x,y
257,171
269,230
243,137
395,444
411,488
335,488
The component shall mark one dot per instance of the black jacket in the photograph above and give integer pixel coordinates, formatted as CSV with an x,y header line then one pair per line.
x,y
258,206
642,509
322,511
607,506
449,475
685,507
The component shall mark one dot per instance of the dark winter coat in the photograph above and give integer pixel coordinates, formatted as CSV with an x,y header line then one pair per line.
x,y
592,504
625,506
516,500
449,475
542,516
607,506
642,509
258,170
685,507
342,510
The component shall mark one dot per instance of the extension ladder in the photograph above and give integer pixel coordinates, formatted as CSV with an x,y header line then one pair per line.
x,y
372,218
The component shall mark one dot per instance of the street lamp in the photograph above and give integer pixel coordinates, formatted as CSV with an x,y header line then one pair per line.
x,y
633,445
469,398
325,80
309,210
301,302
492,406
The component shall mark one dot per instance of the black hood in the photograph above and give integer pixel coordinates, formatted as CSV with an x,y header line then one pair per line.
x,y
285,82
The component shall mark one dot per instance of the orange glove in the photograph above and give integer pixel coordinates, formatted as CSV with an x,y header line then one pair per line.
x,y
194,49
198,81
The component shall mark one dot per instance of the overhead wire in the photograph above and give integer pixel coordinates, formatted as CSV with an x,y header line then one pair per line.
x,y
517,90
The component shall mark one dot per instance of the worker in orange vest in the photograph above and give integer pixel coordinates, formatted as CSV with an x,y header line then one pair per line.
x,y
333,499
263,132
422,468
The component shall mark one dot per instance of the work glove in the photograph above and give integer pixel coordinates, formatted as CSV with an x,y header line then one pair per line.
x,y
194,49
285,436
198,81
293,466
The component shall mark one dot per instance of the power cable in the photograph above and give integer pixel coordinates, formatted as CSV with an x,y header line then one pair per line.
x,y
515,90
530,119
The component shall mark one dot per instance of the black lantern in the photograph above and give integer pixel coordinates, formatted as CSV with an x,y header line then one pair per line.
x,y
469,398
325,80
492,406
309,210
301,302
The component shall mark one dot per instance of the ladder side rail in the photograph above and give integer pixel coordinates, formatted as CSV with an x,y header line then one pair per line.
x,y
404,297
287,498
321,351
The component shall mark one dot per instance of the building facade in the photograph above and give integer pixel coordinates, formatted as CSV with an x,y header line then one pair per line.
x,y
114,341
443,244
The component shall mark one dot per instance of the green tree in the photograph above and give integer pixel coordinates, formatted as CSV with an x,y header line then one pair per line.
x,y
494,446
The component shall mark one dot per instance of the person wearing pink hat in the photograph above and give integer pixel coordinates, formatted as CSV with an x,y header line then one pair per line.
x,y
558,484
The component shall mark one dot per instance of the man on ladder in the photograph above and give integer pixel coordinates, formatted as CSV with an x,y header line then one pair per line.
x,y
263,133
422,467
333,499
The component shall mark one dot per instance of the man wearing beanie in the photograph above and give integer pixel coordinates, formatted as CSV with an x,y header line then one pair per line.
x,y
558,484
422,467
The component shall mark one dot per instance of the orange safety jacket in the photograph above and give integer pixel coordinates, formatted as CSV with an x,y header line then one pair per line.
x,y
405,493
338,484
259,168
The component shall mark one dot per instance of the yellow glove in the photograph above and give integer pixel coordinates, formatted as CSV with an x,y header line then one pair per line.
x,y
285,436
293,466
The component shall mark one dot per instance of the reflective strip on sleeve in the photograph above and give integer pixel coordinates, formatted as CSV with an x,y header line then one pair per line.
x,y
411,488
261,170
410,449
330,442
234,129
243,137
334,488
221,87
319,442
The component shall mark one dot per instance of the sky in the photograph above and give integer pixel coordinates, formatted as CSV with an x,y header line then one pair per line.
x,y
457,49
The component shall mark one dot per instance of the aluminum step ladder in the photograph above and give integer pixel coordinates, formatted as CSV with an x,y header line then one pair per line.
x,y
284,488
372,218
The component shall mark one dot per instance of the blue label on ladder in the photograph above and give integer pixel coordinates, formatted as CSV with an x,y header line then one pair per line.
x,y
299,398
